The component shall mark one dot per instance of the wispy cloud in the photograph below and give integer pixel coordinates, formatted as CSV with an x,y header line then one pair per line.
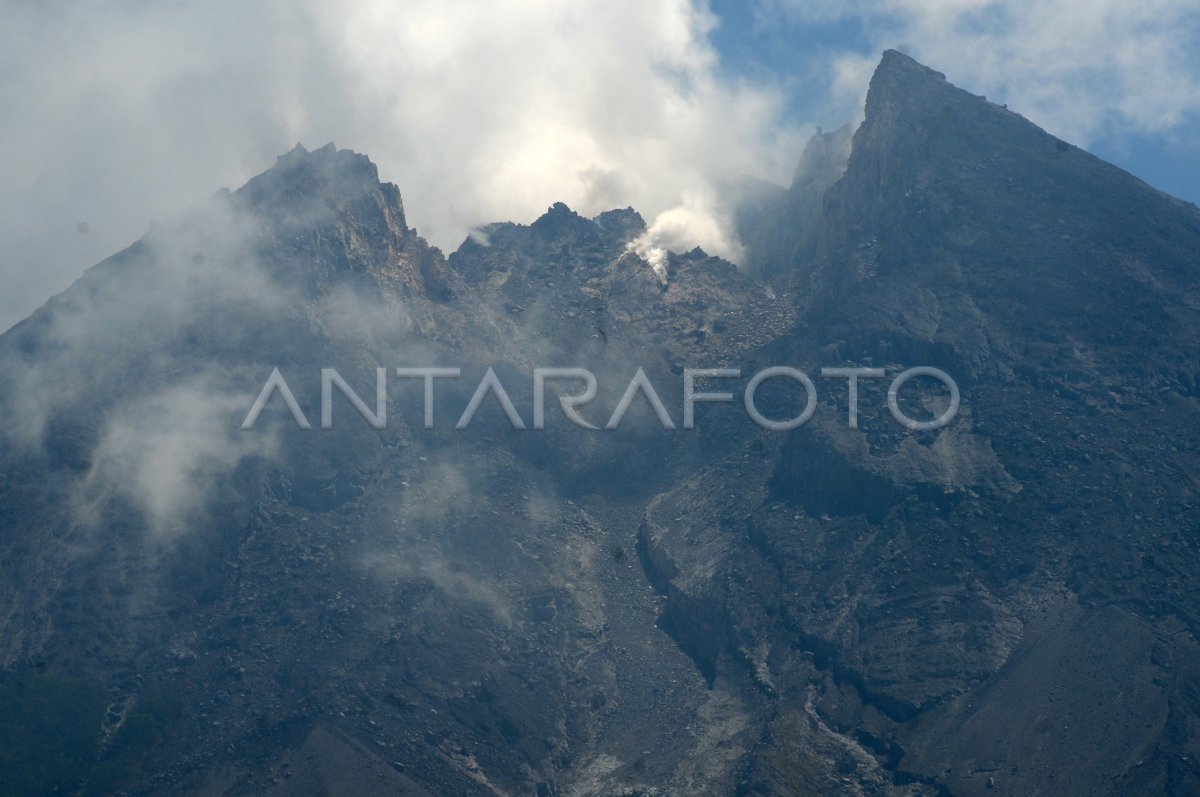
x,y
168,453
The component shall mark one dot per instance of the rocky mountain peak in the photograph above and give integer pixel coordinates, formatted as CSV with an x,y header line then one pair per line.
x,y
327,208
560,222
955,207
903,89
625,222
335,176
901,68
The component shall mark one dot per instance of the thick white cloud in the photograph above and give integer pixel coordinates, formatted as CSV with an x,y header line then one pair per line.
x,y
120,113
494,111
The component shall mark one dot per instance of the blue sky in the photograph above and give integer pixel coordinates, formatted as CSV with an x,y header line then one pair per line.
x,y
786,50
1170,162
772,42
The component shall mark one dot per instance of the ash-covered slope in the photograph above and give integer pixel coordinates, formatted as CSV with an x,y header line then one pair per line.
x,y
1007,605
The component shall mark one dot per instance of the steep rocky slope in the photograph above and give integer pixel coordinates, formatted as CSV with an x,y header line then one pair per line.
x,y
1006,605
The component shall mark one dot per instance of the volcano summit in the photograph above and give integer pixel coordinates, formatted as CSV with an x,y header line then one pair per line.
x,y
1006,604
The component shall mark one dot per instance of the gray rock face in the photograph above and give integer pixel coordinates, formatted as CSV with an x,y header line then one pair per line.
x,y
1006,605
